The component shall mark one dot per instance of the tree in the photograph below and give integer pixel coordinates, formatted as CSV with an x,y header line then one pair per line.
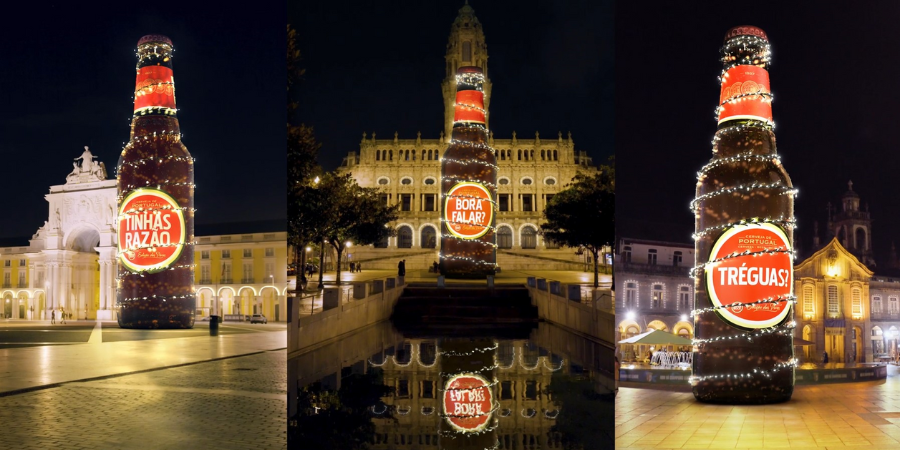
x,y
583,215
302,151
354,214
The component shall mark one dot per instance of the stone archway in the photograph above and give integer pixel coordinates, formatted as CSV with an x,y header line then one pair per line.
x,y
83,300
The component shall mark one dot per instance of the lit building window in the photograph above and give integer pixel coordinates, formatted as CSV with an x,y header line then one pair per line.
x,y
808,299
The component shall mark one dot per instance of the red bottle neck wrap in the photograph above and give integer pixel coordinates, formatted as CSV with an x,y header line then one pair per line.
x,y
469,107
745,94
154,88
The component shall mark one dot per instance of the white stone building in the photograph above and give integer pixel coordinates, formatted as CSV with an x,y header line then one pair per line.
x,y
70,262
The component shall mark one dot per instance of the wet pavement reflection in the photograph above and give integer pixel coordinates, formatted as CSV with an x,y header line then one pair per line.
x,y
538,387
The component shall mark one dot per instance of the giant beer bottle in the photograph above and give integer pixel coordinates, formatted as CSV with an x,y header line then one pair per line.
x,y
468,186
156,200
744,211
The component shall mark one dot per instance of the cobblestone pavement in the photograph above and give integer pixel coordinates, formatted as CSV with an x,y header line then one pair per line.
x,y
828,416
236,403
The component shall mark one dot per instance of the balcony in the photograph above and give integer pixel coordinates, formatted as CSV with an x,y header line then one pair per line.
x,y
226,281
651,269
7,285
205,281
886,315
248,280
22,285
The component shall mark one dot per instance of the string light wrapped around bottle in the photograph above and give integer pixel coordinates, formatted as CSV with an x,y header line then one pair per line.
x,y
155,177
468,186
743,311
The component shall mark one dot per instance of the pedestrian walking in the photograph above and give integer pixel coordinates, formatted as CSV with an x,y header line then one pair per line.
x,y
63,315
825,357
352,267
53,317
400,268
359,267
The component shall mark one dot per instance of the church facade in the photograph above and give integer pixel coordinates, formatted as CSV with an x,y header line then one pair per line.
x,y
70,262
408,171
843,308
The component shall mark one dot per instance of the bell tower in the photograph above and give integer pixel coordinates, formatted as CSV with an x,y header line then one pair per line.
x,y
853,227
466,47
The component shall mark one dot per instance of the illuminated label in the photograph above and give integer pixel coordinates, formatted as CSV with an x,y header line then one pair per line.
x,y
154,88
468,402
151,230
751,278
469,107
468,210
740,99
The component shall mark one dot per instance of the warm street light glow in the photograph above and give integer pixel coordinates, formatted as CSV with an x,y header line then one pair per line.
x,y
349,244
316,181
629,315
308,248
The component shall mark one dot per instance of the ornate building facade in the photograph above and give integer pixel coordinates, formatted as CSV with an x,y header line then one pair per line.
x,y
408,171
843,307
70,262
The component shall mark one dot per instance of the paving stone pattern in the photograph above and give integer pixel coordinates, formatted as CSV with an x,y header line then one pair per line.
x,y
830,416
214,404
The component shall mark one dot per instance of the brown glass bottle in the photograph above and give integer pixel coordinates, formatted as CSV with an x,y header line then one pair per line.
x,y
744,195
155,174
468,186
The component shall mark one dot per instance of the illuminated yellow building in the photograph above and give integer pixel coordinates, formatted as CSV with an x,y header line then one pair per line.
x,y
70,262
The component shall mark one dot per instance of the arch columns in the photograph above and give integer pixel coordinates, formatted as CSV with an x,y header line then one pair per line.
x,y
108,269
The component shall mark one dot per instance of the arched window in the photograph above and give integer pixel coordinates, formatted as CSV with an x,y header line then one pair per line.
x,y
429,154
529,237
542,155
855,302
504,237
860,239
876,305
555,155
833,307
808,299
391,155
684,298
404,237
429,237
378,156
520,155
631,294
656,296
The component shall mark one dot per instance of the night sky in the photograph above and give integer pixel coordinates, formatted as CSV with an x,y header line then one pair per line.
x,y
834,76
377,67
68,79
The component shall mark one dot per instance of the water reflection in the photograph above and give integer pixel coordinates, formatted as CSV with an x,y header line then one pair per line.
x,y
380,389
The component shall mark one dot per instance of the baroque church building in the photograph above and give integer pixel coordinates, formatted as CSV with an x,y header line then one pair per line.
x,y
408,172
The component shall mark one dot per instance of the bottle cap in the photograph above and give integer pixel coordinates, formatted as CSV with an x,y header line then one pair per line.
x,y
154,38
746,30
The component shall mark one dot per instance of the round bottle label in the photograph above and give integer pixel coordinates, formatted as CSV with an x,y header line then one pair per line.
x,y
468,402
743,94
151,230
154,88
468,210
748,279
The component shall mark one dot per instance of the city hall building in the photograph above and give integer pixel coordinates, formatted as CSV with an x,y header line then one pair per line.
x,y
843,306
70,262
408,171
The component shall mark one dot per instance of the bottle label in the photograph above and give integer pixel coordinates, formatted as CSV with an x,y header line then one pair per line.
x,y
468,210
468,402
151,230
154,88
745,94
469,107
748,279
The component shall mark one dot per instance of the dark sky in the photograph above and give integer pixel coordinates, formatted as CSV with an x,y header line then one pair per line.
x,y
68,78
834,76
378,66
